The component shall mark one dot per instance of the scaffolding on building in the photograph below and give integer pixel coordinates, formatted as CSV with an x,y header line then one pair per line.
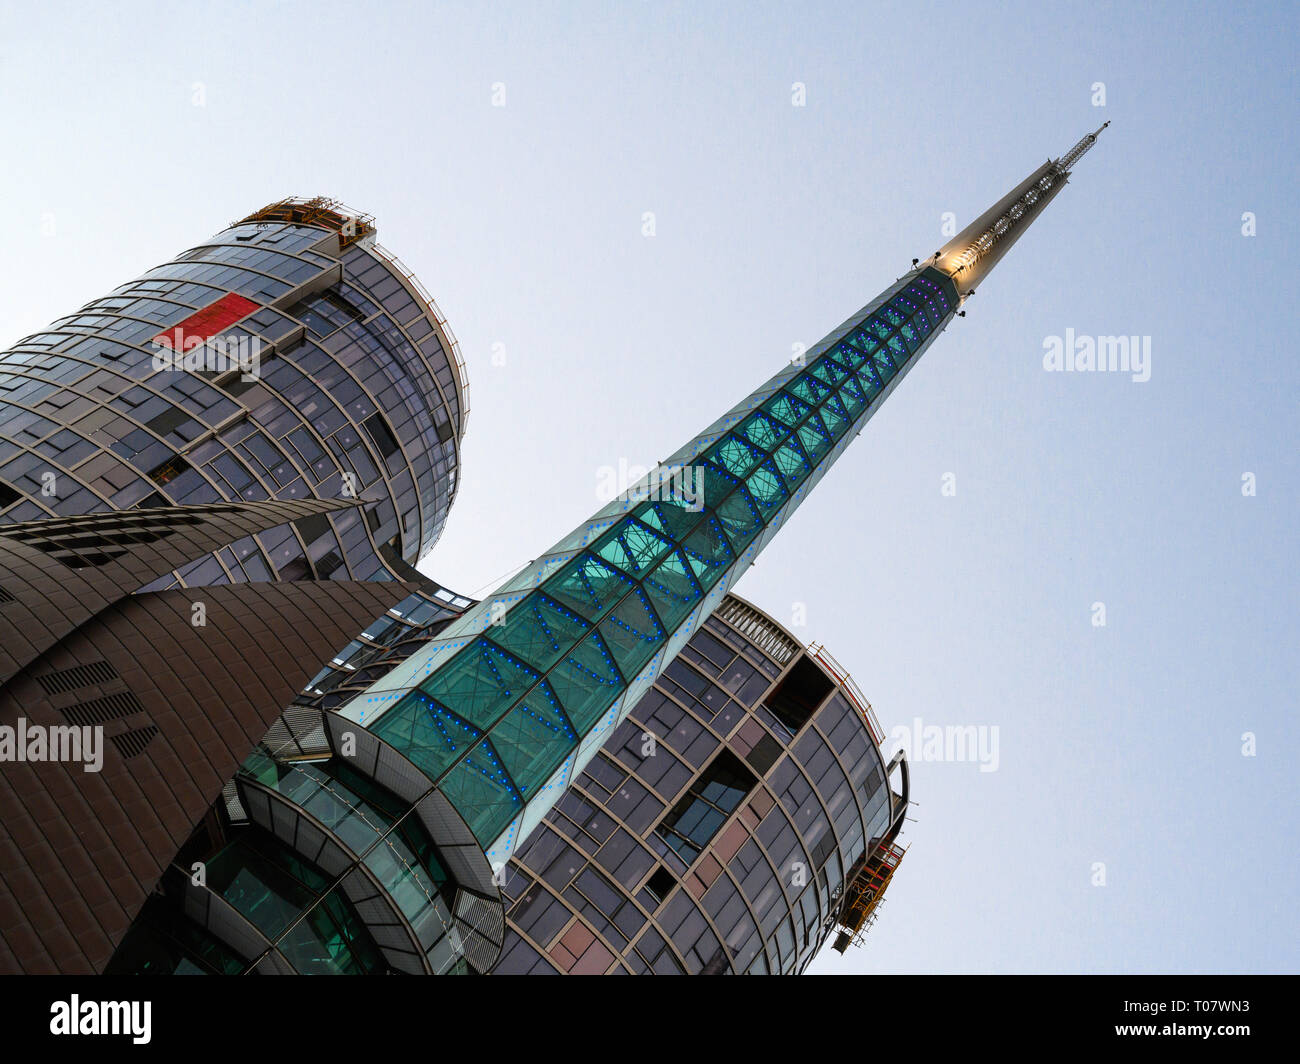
x,y
320,211
863,895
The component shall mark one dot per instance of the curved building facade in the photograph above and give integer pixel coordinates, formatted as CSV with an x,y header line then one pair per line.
x,y
288,357
320,862
274,417
721,828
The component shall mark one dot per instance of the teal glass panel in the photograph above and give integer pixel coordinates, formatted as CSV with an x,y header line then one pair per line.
x,y
864,341
402,875
633,633
586,681
847,354
632,546
809,389
482,793
735,455
267,882
786,408
911,336
740,519
718,483
588,586
538,630
673,589
852,398
870,382
834,405
381,802
533,738
767,489
357,824
880,328
897,351
763,431
709,552
792,463
331,940
893,315
814,437
427,734
671,517
836,424
480,682
828,371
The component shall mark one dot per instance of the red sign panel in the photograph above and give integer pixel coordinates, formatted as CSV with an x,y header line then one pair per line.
x,y
204,324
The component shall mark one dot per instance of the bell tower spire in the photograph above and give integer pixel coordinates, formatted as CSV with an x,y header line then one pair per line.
x,y
969,256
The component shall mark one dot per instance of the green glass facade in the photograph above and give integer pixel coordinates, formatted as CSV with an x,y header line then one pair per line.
x,y
291,902
517,695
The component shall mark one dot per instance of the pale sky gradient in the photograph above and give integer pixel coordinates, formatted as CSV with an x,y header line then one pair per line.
x,y
135,130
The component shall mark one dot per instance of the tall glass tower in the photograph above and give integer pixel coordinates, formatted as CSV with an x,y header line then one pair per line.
x,y
514,698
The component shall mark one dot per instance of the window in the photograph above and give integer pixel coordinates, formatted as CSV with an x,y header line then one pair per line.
x,y
381,434
799,693
711,798
170,419
168,470
660,883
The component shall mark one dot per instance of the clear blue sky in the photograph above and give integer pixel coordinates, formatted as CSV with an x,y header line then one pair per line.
x,y
1119,744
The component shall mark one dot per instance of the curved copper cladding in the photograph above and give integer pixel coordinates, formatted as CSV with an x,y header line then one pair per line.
x,y
58,574
178,703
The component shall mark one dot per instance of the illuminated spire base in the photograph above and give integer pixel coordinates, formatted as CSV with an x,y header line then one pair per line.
x,y
969,256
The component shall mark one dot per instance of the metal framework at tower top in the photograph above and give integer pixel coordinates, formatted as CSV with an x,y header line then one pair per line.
x,y
319,211
1066,162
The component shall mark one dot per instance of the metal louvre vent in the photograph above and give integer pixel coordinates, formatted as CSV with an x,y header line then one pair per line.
x,y
298,732
483,916
477,950
234,807
78,676
102,710
132,744
756,628
481,927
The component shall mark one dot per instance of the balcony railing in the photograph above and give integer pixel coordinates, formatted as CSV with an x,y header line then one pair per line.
x,y
462,377
859,700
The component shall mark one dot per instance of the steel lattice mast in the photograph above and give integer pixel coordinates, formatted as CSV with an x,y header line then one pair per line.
x,y
507,705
